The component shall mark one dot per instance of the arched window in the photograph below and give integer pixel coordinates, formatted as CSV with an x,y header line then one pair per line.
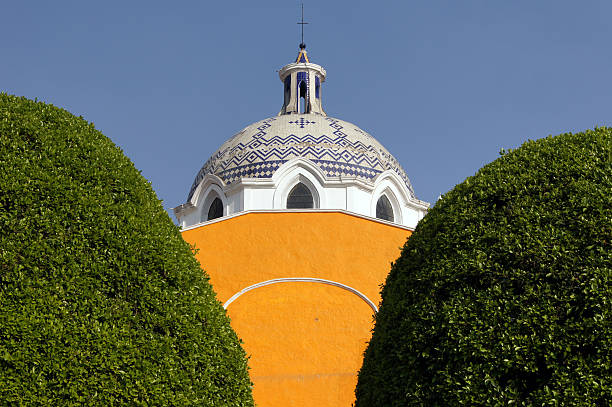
x,y
303,92
384,210
302,80
215,210
287,89
300,197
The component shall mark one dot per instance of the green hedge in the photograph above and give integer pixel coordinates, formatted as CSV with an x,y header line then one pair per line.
x,y
503,294
101,300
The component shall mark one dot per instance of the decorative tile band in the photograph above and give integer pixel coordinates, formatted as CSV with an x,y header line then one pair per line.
x,y
268,168
260,156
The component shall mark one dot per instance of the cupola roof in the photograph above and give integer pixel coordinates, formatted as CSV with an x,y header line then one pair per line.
x,y
302,56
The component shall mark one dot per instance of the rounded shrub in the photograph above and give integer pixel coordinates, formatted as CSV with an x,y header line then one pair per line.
x,y
101,300
503,294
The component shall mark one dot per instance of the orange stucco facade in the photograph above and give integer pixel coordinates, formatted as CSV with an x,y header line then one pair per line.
x,y
305,340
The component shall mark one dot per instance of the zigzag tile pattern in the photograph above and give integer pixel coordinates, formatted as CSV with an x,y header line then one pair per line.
x,y
337,147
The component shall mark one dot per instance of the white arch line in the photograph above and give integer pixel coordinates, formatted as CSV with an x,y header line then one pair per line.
x,y
301,280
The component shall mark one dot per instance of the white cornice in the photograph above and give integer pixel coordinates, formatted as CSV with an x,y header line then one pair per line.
x,y
285,70
357,215
184,209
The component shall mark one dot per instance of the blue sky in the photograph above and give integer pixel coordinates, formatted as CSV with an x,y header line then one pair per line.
x,y
444,85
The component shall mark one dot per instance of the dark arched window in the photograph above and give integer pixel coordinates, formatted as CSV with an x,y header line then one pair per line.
x,y
216,209
300,197
302,82
384,210
303,92
287,89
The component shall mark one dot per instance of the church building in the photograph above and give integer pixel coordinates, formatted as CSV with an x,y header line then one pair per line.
x,y
296,219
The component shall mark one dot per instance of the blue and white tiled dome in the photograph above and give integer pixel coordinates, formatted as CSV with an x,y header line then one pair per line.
x,y
302,160
337,147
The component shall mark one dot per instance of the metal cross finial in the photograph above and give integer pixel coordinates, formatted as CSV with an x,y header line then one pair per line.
x,y
302,45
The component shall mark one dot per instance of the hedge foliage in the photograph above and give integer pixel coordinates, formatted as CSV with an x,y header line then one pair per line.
x,y
101,300
502,296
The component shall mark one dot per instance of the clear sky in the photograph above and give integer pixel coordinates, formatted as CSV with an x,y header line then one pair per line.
x,y
444,85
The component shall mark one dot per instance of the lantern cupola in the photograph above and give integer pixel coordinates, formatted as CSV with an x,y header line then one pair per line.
x,y
302,85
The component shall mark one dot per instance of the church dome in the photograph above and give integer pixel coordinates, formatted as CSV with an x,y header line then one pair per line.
x,y
299,160
337,147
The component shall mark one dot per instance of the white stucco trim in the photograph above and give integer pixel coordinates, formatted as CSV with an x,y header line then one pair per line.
x,y
339,181
242,213
390,180
184,210
298,163
301,280
293,172
203,186
301,66
348,193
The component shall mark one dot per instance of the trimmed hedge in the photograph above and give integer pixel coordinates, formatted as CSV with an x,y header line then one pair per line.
x,y
101,300
503,294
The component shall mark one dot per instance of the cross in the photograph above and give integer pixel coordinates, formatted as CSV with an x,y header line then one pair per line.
x,y
302,45
302,122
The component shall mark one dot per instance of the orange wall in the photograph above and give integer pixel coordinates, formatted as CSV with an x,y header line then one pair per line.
x,y
305,340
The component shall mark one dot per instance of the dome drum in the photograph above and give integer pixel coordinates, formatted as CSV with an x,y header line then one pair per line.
x,y
346,193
